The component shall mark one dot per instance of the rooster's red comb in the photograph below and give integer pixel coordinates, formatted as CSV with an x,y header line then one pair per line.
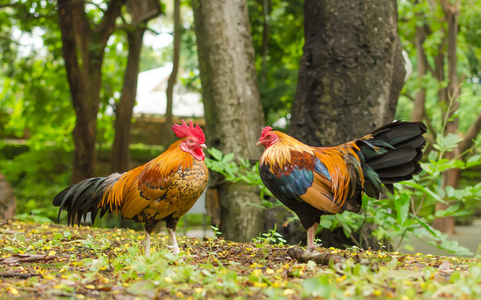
x,y
266,131
184,130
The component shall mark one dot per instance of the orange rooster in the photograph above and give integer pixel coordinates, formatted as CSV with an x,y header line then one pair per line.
x,y
163,189
314,181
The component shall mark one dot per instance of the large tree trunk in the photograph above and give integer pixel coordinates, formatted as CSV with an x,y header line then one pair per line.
x,y
351,71
141,12
83,51
233,110
169,115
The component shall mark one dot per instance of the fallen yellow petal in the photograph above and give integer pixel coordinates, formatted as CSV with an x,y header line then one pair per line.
x,y
288,292
13,290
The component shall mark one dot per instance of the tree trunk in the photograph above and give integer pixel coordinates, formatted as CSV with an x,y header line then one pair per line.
x,y
233,110
351,71
169,116
450,177
422,63
141,12
123,110
8,203
83,50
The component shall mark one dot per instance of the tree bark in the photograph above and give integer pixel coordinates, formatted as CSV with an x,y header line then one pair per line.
x,y
169,116
450,177
141,12
422,63
8,203
232,105
351,71
123,110
327,258
83,51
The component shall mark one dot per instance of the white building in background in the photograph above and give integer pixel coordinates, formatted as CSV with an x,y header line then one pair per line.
x,y
151,97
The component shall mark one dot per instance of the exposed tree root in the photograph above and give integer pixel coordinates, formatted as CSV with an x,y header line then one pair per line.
x,y
326,258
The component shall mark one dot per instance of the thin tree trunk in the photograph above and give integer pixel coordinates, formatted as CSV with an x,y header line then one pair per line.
x,y
169,116
265,39
232,105
123,112
83,62
422,63
450,177
8,203
141,12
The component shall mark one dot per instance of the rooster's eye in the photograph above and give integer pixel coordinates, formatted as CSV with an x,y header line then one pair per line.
x,y
268,137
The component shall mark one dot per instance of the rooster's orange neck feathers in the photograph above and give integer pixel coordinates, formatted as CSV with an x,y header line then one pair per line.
x,y
280,151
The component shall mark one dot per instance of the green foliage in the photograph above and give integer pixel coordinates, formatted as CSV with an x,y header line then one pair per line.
x,y
240,171
216,230
271,237
430,16
37,176
278,35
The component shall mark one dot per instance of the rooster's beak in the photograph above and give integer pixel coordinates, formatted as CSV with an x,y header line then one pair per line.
x,y
203,146
259,143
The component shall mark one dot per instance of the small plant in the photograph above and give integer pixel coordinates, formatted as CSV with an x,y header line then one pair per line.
x,y
271,237
216,230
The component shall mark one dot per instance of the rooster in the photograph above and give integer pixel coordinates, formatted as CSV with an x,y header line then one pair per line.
x,y
163,189
314,181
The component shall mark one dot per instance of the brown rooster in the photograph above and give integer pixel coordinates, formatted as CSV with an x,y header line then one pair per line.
x,y
163,189
314,181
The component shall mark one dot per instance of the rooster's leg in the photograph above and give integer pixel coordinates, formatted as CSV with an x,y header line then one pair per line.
x,y
311,234
147,243
173,241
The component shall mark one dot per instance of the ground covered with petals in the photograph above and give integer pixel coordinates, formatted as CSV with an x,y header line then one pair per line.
x,y
53,261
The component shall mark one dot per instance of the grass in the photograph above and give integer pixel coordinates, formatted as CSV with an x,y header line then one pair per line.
x,y
88,263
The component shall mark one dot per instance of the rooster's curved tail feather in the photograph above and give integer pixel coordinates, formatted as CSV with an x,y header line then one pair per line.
x,y
391,154
83,198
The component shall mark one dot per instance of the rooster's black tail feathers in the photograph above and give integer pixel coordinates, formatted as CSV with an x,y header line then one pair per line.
x,y
391,155
83,198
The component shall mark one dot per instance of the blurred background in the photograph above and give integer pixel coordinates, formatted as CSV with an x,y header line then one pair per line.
x,y
88,88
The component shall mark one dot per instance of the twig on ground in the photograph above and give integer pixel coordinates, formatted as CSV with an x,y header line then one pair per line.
x,y
19,275
19,258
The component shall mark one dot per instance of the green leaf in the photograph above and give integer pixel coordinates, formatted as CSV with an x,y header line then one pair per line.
x,y
474,160
428,227
425,190
392,264
449,211
217,154
402,208
447,143
228,157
